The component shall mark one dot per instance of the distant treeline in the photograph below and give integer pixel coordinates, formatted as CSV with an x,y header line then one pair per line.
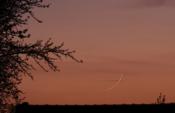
x,y
133,108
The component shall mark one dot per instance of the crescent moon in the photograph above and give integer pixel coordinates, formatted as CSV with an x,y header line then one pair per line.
x,y
116,83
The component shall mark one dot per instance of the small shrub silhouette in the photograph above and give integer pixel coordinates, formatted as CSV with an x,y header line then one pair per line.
x,y
161,99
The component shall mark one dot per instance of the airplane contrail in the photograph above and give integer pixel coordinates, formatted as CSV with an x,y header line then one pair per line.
x,y
116,83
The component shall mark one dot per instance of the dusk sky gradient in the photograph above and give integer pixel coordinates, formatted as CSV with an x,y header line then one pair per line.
x,y
113,37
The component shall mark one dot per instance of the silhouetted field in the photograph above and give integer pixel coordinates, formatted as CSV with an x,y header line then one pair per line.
x,y
134,108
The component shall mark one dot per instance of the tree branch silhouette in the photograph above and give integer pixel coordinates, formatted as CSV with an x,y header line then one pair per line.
x,y
16,54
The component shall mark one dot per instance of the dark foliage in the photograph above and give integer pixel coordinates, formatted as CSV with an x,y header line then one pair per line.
x,y
16,54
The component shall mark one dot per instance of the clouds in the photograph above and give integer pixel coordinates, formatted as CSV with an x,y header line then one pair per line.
x,y
95,4
155,3
151,3
145,3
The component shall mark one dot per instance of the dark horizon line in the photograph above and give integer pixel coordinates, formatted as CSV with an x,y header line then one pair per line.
x,y
25,103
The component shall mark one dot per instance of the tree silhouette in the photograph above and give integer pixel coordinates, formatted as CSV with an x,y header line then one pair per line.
x,y
17,55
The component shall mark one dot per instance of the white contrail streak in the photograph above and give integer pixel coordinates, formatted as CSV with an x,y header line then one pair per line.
x,y
116,83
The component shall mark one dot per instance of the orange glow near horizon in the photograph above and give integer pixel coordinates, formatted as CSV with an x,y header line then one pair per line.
x,y
113,37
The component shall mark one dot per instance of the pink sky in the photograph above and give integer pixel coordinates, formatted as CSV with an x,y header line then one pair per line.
x,y
113,37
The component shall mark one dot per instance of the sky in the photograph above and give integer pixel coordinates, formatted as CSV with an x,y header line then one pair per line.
x,y
132,39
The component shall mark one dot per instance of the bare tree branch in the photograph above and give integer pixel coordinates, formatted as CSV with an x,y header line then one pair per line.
x,y
16,54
